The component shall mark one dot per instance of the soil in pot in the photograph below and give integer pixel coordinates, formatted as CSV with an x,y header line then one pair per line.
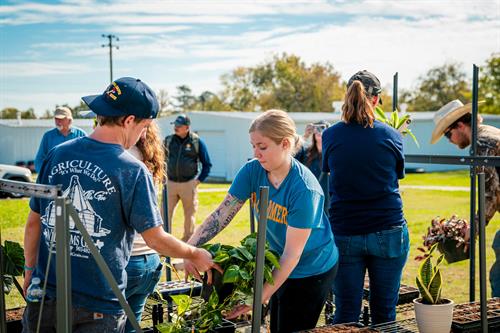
x,y
223,290
14,320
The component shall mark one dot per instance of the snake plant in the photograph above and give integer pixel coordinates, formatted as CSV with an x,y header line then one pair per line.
x,y
396,122
429,278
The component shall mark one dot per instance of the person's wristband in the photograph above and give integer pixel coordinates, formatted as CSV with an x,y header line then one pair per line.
x,y
27,268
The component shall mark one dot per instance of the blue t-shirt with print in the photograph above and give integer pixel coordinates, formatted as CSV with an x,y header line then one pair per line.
x,y
365,164
114,196
298,203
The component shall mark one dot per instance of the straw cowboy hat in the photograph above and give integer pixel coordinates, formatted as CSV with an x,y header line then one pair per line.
x,y
447,115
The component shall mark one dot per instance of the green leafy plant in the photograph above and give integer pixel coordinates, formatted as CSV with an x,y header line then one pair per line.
x,y
12,265
429,279
395,121
238,264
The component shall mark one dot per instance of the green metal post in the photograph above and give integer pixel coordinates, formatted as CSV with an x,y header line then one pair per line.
x,y
63,267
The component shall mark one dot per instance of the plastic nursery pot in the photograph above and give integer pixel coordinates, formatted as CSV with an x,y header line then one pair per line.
x,y
433,318
223,290
451,252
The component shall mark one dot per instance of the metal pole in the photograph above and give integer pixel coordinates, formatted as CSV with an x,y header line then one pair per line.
x,y
259,265
482,254
395,92
104,269
252,217
166,227
110,61
63,267
3,317
473,152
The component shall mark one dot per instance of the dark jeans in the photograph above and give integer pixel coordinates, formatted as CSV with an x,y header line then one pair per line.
x,y
143,273
495,269
384,255
297,304
84,321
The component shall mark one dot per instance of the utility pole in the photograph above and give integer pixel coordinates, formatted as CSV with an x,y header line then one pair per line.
x,y
110,45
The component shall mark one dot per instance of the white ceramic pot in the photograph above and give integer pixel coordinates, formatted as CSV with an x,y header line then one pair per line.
x,y
433,318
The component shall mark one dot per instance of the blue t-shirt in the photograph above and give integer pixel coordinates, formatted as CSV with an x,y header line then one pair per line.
x,y
53,138
365,165
298,203
114,196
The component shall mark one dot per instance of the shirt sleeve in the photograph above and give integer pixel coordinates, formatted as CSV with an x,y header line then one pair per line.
x,y
325,152
144,212
40,155
42,178
400,157
305,210
241,186
206,165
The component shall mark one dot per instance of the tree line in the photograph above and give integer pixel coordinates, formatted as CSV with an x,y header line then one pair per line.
x,y
286,82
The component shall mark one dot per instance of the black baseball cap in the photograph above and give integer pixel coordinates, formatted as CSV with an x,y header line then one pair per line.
x,y
181,119
369,81
123,97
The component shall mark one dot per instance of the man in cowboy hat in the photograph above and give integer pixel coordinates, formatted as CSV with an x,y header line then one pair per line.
x,y
454,122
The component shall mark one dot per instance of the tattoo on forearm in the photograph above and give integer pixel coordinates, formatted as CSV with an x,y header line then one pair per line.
x,y
219,219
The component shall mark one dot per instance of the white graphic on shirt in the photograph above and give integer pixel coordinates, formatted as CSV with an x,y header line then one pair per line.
x,y
89,218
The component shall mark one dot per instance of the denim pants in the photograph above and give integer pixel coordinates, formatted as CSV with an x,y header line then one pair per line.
x,y
495,269
83,320
143,273
384,255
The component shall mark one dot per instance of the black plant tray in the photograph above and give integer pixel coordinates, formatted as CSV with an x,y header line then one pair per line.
x,y
179,288
406,293
467,317
339,328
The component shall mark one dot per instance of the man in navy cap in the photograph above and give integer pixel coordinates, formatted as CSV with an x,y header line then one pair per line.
x,y
184,151
114,196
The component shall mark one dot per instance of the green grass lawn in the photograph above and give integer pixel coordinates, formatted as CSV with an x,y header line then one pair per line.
x,y
420,207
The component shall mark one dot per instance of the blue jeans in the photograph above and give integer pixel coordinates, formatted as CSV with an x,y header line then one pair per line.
x,y
143,273
495,269
83,320
384,255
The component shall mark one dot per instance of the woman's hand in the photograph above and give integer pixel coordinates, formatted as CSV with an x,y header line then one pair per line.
x,y
238,311
201,262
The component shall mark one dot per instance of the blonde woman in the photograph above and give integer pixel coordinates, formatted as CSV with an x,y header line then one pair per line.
x,y
297,229
144,267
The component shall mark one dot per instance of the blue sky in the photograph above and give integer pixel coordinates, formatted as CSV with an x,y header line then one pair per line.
x,y
50,51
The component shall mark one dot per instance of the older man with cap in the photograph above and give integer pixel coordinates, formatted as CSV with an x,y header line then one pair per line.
x,y
454,122
114,195
62,133
184,151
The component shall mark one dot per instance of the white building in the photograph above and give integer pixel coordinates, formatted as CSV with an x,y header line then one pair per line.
x,y
226,136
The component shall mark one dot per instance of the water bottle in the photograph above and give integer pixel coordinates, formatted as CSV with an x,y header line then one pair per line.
x,y
35,292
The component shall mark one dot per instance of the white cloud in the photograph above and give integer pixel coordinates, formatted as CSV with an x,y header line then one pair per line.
x,y
30,69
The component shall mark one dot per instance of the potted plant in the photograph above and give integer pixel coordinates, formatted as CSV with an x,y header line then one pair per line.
x,y
432,312
233,287
12,260
395,121
449,234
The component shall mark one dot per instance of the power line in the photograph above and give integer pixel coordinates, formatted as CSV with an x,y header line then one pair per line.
x,y
110,45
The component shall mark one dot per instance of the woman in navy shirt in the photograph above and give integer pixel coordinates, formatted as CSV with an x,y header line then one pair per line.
x,y
365,160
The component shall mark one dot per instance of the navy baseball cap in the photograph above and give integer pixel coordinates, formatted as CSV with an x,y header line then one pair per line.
x,y
181,120
125,96
369,81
